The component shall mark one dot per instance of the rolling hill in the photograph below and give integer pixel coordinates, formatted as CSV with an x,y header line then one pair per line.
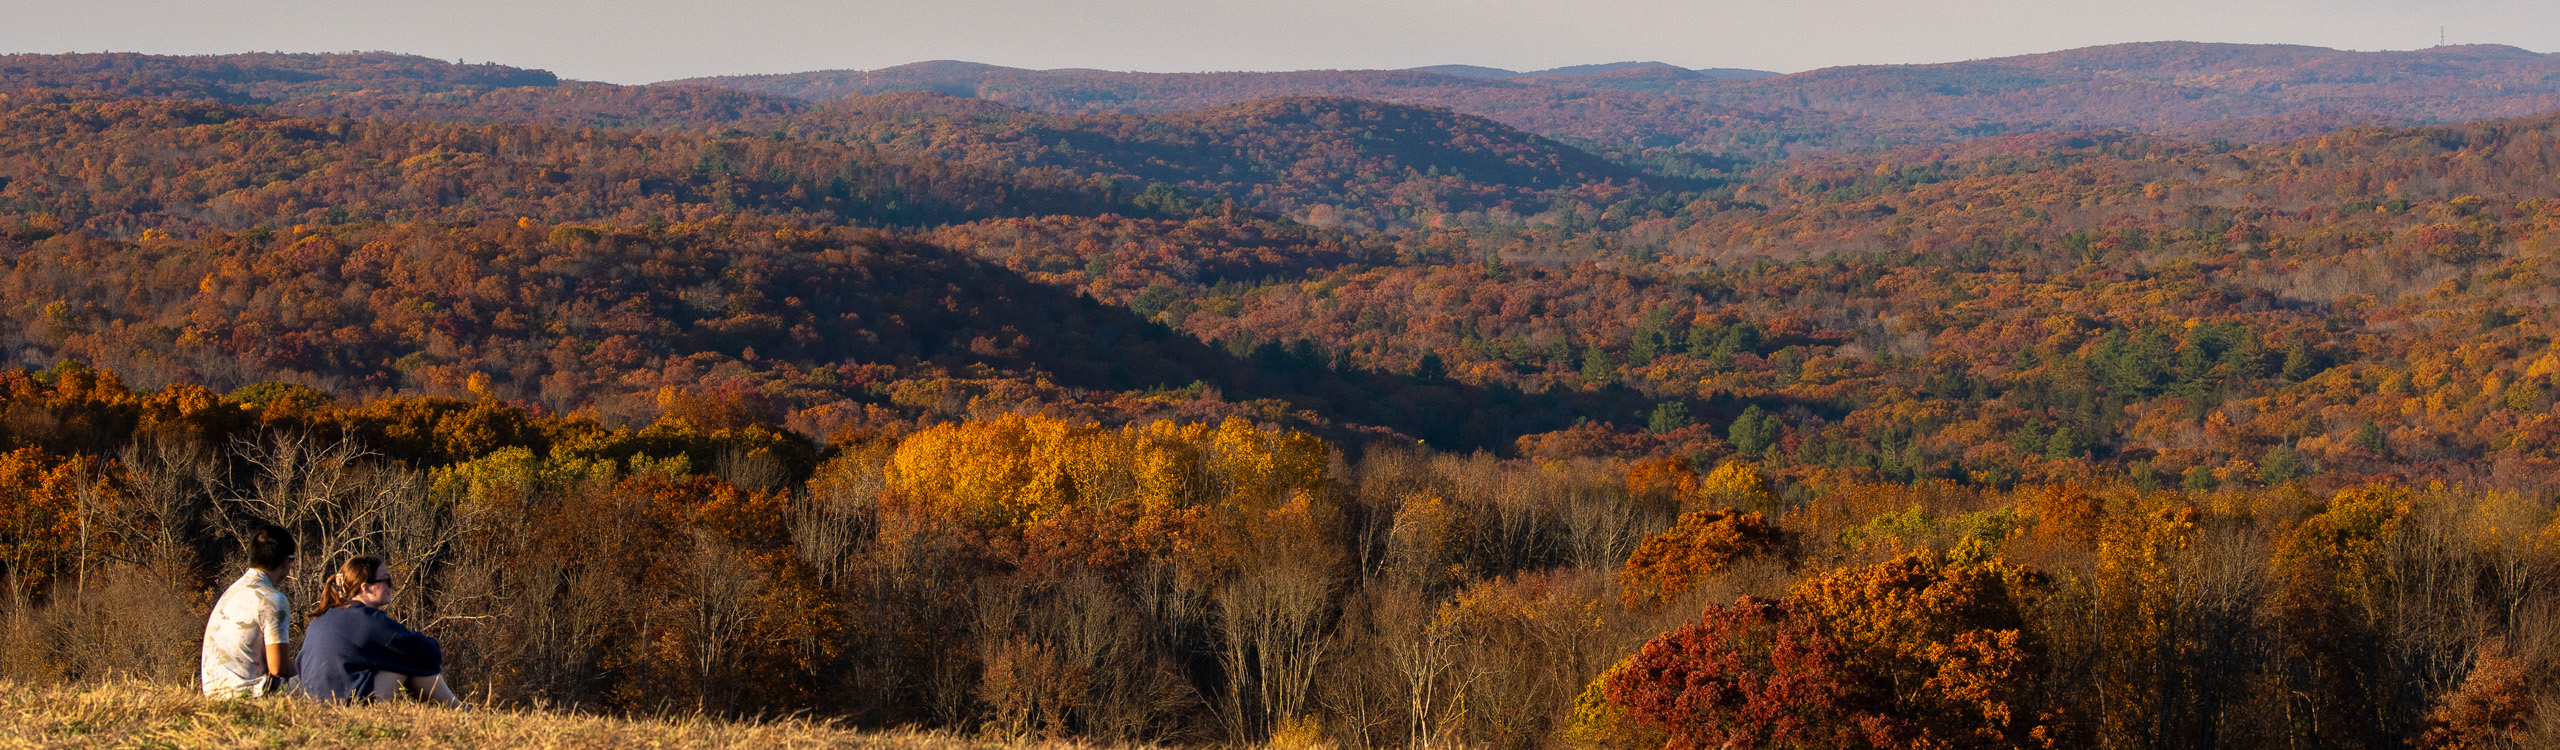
x,y
1331,159
2241,92
1595,115
2165,88
2248,93
1328,160
259,77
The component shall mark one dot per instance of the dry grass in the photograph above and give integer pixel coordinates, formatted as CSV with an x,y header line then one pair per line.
x,y
140,715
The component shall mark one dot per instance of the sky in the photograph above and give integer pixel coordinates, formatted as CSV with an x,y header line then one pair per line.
x,y
640,41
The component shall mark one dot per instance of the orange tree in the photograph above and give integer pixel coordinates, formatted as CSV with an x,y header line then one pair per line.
x,y
1667,565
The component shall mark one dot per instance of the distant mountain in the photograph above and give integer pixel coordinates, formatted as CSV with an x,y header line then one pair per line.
x,y
259,77
1589,115
1630,111
1578,70
1467,71
2159,87
382,85
1744,74
2184,89
1479,71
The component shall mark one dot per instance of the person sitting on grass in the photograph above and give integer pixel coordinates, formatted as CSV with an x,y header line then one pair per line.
x,y
351,651
246,636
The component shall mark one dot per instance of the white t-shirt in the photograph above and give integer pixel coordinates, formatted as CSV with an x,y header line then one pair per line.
x,y
249,616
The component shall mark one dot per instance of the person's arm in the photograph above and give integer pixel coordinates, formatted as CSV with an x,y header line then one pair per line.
x,y
278,635
417,659
279,665
407,651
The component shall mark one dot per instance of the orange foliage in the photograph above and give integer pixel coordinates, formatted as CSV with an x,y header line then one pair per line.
x,y
1951,637
1666,566
1663,479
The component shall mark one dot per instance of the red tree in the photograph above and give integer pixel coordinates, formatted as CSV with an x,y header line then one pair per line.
x,y
1758,673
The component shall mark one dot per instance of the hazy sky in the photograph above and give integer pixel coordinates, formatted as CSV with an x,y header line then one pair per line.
x,y
637,41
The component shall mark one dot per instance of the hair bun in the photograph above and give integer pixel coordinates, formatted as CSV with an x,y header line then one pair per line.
x,y
347,581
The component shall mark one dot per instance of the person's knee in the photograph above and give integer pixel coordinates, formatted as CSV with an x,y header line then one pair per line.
x,y
386,685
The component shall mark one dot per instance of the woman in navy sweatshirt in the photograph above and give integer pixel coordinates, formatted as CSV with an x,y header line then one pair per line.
x,y
352,651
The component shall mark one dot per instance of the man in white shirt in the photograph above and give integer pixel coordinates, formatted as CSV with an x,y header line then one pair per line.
x,y
245,639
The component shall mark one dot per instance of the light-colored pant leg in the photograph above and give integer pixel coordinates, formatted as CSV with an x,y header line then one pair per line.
x,y
386,686
430,688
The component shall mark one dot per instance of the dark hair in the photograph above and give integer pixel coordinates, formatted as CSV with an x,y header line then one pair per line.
x,y
270,547
350,579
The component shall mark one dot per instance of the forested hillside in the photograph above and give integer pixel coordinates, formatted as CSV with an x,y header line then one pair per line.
x,y
2178,88
2201,91
1307,420
1327,160
358,245
2249,93
260,78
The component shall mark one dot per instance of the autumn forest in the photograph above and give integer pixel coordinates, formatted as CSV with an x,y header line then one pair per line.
x,y
2148,396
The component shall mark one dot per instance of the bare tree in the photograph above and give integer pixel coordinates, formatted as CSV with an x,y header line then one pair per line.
x,y
1511,514
1602,524
721,586
751,469
342,500
173,481
1421,643
1271,622
838,516
1122,655
310,487
1384,481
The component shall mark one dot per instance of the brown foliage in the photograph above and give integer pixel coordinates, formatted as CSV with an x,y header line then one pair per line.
x,y
2492,709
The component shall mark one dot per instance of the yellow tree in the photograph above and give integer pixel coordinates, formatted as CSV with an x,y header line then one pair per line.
x,y
1737,484
1951,637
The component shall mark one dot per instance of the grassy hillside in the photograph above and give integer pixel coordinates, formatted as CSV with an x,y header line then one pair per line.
x,y
133,714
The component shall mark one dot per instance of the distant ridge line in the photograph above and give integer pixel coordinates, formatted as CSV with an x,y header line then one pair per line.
x,y
1486,72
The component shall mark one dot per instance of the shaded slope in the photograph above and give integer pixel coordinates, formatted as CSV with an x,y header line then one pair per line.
x,y
1351,160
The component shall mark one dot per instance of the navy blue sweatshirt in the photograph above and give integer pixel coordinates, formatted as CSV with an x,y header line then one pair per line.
x,y
345,646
